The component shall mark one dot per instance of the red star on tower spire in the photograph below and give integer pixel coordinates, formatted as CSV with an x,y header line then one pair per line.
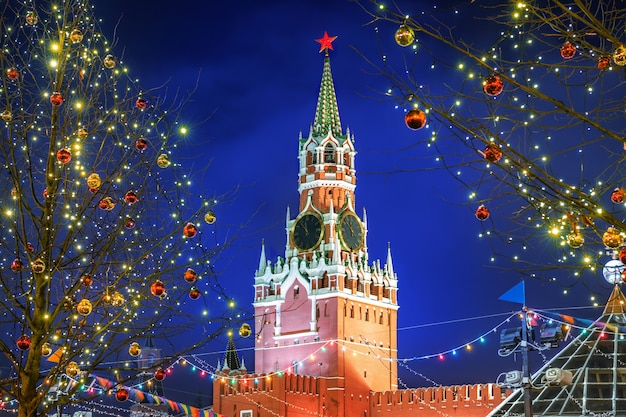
x,y
326,42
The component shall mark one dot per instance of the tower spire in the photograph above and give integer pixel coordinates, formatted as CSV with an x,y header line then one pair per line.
x,y
327,111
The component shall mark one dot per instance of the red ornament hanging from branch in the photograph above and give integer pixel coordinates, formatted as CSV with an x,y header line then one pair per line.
x,y
482,213
568,50
415,119
493,85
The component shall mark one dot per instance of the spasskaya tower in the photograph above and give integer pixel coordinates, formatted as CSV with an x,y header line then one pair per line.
x,y
325,290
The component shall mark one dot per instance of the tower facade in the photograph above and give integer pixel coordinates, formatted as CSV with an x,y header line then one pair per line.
x,y
325,289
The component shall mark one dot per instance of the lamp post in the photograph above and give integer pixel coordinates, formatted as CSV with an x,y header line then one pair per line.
x,y
528,402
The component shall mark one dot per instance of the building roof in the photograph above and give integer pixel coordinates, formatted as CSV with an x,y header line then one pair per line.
x,y
327,112
596,359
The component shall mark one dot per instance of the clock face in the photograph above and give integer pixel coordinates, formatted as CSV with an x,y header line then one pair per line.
x,y
307,232
351,231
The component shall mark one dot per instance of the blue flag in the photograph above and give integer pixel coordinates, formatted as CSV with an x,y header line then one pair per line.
x,y
516,294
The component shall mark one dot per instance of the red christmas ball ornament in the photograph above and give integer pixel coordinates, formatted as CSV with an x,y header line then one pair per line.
x,y
64,155
493,85
604,62
190,275
30,247
160,374
190,230
24,342
13,74
86,280
130,223
194,293
157,288
415,119
121,394
141,144
141,103
130,197
17,265
107,203
568,50
45,193
622,255
492,152
482,213
617,196
56,99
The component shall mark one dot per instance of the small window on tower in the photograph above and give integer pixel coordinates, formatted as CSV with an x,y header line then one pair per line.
x,y
329,153
296,291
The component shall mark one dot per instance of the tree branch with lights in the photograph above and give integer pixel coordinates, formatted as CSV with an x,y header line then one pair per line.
x,y
104,241
524,104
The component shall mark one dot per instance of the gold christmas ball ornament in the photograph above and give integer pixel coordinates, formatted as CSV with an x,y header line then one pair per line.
x,y
76,36
612,238
38,266
109,61
619,55
209,217
117,299
245,330
415,119
575,240
31,18
84,307
404,35
94,181
72,369
163,161
46,349
7,116
82,133
134,349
